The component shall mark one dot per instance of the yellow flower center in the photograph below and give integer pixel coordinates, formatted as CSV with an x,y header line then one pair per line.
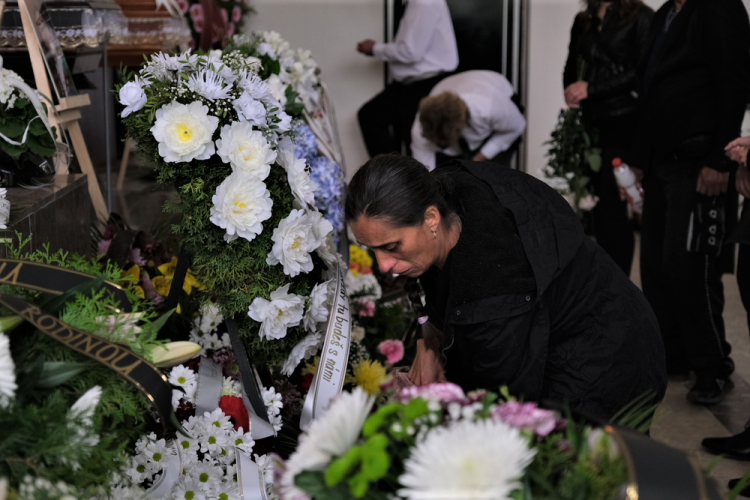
x,y
295,244
184,132
281,313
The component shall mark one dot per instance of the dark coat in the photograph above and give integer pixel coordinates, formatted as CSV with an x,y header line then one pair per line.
x,y
578,330
612,50
695,84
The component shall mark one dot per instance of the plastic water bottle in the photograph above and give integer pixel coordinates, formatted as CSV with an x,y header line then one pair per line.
x,y
626,179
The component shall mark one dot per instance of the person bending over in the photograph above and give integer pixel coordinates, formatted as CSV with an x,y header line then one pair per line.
x,y
515,293
469,115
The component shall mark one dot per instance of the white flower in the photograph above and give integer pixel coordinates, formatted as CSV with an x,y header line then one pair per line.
x,y
228,490
188,449
293,240
250,110
157,454
282,311
184,132
143,441
277,89
245,149
317,312
7,373
121,328
140,469
588,203
256,88
272,400
275,421
330,435
207,475
209,320
265,464
188,488
303,188
277,42
467,459
240,205
301,351
364,284
4,208
321,228
231,387
327,250
217,419
285,122
83,409
209,84
265,49
132,96
185,378
358,334
212,439
242,440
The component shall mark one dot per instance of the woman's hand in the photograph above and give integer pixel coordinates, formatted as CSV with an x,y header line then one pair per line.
x,y
575,93
426,368
712,182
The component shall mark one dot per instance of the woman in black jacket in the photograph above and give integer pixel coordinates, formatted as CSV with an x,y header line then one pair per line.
x,y
607,42
516,295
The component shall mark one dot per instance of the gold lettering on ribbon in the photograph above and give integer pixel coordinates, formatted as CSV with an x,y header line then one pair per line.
x,y
12,275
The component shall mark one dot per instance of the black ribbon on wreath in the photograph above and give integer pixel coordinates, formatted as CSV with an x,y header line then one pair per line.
x,y
247,373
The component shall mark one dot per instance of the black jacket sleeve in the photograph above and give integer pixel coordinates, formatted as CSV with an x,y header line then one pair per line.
x,y
728,40
626,80
570,74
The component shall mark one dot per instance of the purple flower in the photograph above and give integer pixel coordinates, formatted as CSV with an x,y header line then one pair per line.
x,y
445,393
224,357
526,417
135,257
103,247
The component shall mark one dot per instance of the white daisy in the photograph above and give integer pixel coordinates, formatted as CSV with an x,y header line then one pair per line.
x,y
184,132
330,435
209,84
212,439
306,348
245,149
242,440
7,373
188,488
189,448
293,240
140,469
265,464
228,490
207,475
317,312
272,400
217,419
240,205
157,454
182,376
467,459
281,312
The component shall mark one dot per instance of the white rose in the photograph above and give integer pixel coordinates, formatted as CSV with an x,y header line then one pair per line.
x,y
241,204
245,149
184,132
281,312
293,241
132,96
248,109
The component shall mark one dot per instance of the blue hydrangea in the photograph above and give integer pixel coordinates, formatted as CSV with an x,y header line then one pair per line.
x,y
306,144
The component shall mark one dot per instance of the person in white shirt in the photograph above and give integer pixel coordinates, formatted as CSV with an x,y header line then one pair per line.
x,y
467,114
423,50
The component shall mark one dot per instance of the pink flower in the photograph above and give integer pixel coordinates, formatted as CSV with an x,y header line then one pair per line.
x,y
196,14
225,16
236,13
368,308
526,417
230,29
183,5
445,392
103,247
149,291
135,257
392,349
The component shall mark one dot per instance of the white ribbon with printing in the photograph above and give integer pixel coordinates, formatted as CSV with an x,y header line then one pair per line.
x,y
329,377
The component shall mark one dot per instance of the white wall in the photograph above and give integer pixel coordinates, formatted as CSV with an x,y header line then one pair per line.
x,y
331,30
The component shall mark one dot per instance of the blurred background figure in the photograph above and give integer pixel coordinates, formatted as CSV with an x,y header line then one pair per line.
x,y
470,115
607,41
423,50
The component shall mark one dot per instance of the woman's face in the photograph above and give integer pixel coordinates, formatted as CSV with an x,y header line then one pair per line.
x,y
408,251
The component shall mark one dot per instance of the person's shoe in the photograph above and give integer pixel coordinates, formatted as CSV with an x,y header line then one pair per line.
x,y
743,493
709,390
735,447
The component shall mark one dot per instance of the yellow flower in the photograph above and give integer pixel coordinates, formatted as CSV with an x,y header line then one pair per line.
x,y
133,276
367,374
164,283
139,292
310,369
359,256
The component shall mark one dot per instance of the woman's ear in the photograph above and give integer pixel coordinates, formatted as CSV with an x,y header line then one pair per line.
x,y
432,218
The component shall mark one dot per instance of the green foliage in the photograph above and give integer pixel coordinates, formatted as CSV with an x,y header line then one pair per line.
x,y
13,122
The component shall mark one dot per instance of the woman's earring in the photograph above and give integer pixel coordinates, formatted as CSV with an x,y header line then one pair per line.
x,y
434,234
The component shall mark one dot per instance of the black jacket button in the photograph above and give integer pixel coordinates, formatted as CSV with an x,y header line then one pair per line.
x,y
458,313
528,298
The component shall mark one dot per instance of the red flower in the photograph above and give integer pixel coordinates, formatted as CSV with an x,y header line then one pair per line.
x,y
307,381
234,408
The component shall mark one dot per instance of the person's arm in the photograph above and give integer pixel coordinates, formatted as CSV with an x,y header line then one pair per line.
x,y
507,124
414,34
570,73
422,150
627,79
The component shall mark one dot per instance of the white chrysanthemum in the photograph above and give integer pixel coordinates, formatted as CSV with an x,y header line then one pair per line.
x,y
214,62
242,439
140,469
467,459
277,89
212,439
209,84
317,312
7,373
185,378
265,464
240,205
207,475
330,435
272,400
301,351
255,87
157,454
163,67
188,488
250,110
218,419
245,149
282,311
184,132
231,387
293,241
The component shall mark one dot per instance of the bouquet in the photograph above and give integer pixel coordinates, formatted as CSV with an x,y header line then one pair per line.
x,y
437,442
213,128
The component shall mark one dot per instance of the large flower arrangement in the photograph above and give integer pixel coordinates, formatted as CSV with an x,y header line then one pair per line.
x,y
437,442
214,129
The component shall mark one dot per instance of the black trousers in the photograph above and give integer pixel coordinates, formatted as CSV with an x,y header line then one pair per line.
x,y
684,288
611,224
743,266
386,120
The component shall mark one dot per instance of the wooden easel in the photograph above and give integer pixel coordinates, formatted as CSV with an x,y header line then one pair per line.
x,y
68,112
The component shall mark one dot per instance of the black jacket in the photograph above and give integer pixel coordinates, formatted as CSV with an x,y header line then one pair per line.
x,y
578,330
611,50
695,83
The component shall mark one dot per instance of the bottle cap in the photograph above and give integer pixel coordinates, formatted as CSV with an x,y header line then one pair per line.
x,y
616,162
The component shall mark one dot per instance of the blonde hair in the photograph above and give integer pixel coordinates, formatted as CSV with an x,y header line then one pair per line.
x,y
443,118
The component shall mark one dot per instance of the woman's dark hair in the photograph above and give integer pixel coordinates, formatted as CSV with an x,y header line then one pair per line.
x,y
626,9
398,190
